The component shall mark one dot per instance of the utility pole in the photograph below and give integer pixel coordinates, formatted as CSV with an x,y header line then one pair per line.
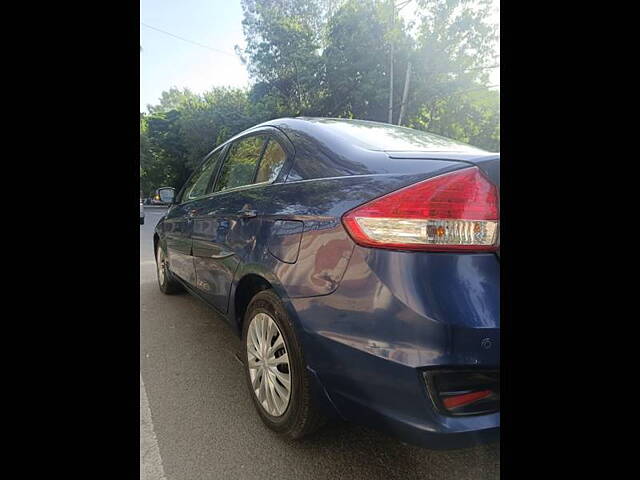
x,y
404,94
393,21
400,6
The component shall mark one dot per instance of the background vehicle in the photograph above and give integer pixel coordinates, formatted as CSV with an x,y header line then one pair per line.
x,y
141,213
359,262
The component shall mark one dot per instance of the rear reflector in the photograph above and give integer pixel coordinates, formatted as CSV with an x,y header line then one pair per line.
x,y
465,399
454,211
464,392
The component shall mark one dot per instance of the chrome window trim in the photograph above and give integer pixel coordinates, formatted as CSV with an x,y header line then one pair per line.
x,y
234,189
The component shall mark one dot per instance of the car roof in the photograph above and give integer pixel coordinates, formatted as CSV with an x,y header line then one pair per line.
x,y
374,136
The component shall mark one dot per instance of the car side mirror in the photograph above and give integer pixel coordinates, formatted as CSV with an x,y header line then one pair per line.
x,y
167,194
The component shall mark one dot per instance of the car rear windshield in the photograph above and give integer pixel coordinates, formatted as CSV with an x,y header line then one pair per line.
x,y
379,136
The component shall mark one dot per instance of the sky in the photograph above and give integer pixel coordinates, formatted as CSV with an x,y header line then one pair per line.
x,y
166,61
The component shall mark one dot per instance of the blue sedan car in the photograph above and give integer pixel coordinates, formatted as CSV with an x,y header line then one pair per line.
x,y
359,263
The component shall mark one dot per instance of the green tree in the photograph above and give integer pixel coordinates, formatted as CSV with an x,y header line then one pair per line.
x,y
173,99
472,117
213,117
332,58
166,147
455,44
283,52
357,60
184,127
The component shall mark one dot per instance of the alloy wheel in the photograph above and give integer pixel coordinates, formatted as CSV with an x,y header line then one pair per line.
x,y
268,363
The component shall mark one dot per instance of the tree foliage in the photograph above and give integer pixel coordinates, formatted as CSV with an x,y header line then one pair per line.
x,y
179,131
332,58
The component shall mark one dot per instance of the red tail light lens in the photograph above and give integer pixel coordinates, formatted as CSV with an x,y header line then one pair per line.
x,y
454,211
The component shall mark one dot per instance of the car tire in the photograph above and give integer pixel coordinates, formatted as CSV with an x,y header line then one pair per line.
x,y
168,284
301,416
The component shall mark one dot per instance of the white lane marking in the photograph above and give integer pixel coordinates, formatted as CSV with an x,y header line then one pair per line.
x,y
150,460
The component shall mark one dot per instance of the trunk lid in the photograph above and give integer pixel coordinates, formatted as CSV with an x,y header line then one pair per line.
x,y
489,163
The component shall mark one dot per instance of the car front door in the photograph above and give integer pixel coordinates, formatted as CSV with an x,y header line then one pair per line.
x,y
225,229
179,219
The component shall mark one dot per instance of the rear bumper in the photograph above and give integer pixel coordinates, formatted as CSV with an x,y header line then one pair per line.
x,y
391,318
381,393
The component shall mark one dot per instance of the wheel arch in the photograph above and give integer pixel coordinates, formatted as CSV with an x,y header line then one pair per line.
x,y
250,280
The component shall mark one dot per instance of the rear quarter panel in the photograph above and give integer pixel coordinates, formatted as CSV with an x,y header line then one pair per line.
x,y
324,247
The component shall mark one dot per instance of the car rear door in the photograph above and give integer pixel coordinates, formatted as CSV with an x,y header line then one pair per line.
x,y
225,229
179,219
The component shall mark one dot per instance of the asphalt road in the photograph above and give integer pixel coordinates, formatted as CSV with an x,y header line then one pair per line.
x,y
197,420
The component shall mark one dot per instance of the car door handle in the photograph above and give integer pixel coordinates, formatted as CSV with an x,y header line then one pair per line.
x,y
190,214
247,213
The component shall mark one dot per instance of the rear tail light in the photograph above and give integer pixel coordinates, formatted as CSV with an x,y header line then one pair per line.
x,y
465,392
454,211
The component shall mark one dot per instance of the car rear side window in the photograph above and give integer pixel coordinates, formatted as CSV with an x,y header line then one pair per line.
x,y
240,166
271,163
199,182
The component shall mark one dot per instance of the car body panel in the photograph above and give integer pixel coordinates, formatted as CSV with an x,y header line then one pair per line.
x,y
221,240
176,228
489,163
325,246
393,315
221,237
284,241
